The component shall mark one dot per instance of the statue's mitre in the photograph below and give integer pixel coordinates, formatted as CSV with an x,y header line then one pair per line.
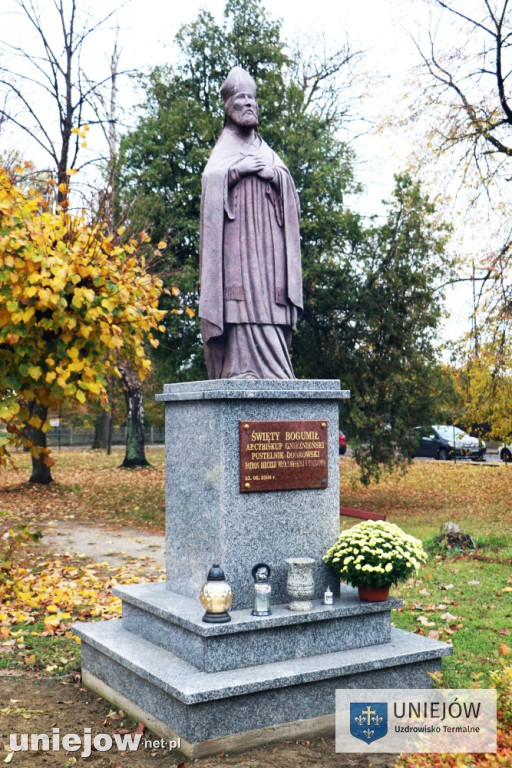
x,y
238,81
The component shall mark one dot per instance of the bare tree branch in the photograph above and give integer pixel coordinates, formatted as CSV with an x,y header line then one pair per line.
x,y
463,16
59,76
7,115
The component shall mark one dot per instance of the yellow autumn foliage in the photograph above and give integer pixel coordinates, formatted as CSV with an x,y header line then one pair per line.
x,y
73,299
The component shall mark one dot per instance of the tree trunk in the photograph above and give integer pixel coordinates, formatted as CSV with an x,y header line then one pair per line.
x,y
40,470
109,435
135,449
102,431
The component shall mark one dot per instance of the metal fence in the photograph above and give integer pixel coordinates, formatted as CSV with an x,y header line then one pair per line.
x,y
66,437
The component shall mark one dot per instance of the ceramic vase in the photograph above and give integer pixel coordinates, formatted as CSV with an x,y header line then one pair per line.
x,y
300,584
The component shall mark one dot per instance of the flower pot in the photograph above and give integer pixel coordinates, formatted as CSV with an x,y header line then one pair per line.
x,y
373,594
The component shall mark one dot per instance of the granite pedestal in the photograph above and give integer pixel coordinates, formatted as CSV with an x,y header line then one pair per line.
x,y
208,520
255,679
175,623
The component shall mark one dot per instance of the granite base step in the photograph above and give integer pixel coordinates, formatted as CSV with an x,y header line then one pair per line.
x,y
239,708
174,622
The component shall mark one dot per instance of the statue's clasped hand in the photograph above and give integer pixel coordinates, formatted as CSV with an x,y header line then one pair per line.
x,y
255,165
266,173
250,164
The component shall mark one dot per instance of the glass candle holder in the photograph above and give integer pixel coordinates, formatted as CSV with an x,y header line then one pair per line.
x,y
262,590
216,597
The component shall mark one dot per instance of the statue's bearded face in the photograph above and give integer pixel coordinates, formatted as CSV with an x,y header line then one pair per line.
x,y
243,110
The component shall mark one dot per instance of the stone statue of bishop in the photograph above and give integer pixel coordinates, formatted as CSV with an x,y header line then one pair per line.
x,y
251,281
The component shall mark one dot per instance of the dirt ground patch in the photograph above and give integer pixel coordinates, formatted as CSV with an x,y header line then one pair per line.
x,y
38,705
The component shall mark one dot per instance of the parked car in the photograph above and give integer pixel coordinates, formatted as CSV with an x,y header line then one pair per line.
x,y
430,444
442,441
505,452
465,445
343,444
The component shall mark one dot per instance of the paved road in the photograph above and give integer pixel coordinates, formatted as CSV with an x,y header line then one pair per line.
x,y
491,459
116,547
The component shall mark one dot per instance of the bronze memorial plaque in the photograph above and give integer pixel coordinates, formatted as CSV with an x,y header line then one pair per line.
x,y
282,455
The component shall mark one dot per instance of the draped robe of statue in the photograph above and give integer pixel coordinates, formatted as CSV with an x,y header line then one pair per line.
x,y
251,280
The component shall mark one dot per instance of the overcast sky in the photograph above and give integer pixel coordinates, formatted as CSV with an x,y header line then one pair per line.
x,y
381,29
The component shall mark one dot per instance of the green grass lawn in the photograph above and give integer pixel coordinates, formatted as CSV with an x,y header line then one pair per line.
x,y
463,602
